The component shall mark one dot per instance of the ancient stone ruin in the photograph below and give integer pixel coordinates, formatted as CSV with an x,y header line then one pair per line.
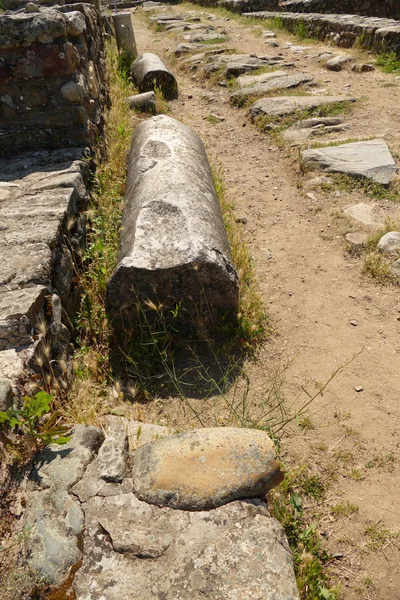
x,y
131,507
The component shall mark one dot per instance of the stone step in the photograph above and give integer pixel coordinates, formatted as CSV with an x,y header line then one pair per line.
x,y
389,9
372,33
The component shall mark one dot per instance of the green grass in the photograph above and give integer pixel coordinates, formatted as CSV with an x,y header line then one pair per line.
x,y
344,509
389,63
310,558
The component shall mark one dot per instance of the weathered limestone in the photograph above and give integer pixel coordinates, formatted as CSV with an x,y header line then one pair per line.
x,y
42,194
280,106
54,518
145,102
235,551
150,73
275,82
379,35
173,245
206,468
371,159
317,126
123,24
233,65
337,63
390,243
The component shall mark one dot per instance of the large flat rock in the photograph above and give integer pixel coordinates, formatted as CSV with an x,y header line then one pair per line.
x,y
274,83
281,106
135,550
371,159
206,468
233,65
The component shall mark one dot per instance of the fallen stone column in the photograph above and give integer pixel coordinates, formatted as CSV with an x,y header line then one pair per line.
x,y
173,246
144,102
149,73
124,33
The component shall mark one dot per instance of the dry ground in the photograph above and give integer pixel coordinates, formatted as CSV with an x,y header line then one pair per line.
x,y
313,288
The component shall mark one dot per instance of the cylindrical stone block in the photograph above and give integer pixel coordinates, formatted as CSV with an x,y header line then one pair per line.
x,y
173,247
144,102
150,73
124,33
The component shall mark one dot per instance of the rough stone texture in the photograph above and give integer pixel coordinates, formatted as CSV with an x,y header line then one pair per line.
x,y
337,63
356,240
145,102
371,159
241,6
42,194
206,468
194,38
379,35
171,205
276,81
233,65
54,519
123,24
362,68
390,243
373,8
363,213
149,73
6,395
314,127
52,75
280,106
396,269
134,550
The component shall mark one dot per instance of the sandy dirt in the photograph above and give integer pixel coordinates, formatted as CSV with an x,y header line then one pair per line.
x,y
313,289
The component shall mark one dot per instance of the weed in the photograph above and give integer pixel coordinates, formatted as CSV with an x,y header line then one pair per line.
x,y
389,63
301,30
378,535
212,119
309,556
306,424
356,474
29,420
344,509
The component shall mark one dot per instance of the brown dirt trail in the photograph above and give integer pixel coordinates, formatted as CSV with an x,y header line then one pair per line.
x,y
313,289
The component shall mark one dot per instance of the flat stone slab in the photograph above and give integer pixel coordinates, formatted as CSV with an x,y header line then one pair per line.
x,y
206,468
233,65
247,80
281,106
135,550
371,159
274,83
367,214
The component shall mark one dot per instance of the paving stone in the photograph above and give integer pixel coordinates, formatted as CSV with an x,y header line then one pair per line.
x,y
357,240
371,159
247,80
206,468
135,550
233,65
280,82
390,243
282,106
53,518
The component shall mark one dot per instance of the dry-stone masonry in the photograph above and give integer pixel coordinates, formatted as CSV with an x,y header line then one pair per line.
x,y
173,244
85,521
380,35
374,8
52,78
42,195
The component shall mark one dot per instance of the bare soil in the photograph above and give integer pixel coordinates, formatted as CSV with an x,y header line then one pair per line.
x,y
313,288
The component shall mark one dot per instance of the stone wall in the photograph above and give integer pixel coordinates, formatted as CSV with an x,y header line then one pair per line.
x,y
389,9
52,74
371,33
241,6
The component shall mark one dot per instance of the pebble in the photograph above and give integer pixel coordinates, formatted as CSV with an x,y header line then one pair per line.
x,y
359,388
353,322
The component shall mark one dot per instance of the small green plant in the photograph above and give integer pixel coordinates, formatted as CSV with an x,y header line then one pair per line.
x,y
28,420
378,535
344,509
389,63
301,30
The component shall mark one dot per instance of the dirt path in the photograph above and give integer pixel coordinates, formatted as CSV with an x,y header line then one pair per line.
x,y
313,289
